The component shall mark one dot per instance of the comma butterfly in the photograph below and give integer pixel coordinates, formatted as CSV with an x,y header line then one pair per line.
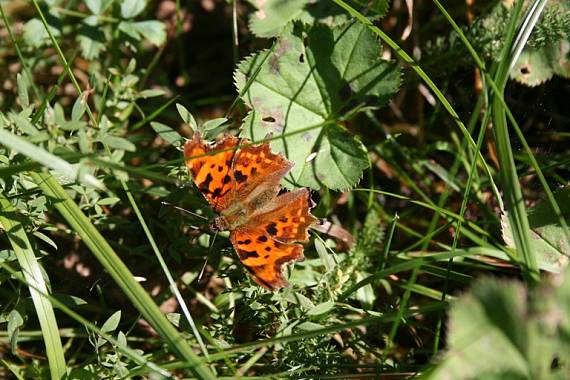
x,y
241,183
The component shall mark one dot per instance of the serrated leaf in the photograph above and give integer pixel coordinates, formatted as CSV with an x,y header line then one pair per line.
x,y
549,241
313,76
501,330
485,327
132,8
532,68
166,133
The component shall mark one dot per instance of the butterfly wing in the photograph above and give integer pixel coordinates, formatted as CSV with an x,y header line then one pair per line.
x,y
265,244
256,166
212,172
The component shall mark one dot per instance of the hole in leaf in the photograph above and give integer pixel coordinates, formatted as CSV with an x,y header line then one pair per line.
x,y
269,119
302,58
525,70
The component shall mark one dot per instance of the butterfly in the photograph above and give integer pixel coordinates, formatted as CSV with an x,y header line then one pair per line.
x,y
240,181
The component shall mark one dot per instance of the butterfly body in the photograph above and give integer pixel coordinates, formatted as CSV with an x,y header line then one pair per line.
x,y
242,185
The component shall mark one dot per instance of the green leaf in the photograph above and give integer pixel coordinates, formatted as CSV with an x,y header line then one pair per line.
x,y
560,58
73,125
214,127
168,134
117,142
502,330
78,109
150,93
23,91
483,327
112,322
153,31
132,8
313,76
91,38
549,240
35,34
532,68
15,321
109,201
321,308
187,116
272,16
109,326
309,326
23,124
95,6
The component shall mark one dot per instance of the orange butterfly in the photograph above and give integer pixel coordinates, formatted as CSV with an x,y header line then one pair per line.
x,y
242,185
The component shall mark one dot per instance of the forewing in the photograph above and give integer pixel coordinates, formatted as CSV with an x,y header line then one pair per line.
x,y
287,218
212,172
256,165
264,256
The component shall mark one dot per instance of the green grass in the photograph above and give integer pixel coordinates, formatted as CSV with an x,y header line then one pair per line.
x,y
436,197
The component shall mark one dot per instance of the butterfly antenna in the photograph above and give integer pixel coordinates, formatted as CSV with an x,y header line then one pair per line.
x,y
164,203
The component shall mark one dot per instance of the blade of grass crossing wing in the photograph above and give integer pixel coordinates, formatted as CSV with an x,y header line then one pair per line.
x,y
117,269
33,276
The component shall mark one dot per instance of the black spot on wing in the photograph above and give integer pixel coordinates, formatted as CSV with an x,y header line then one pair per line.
x,y
206,184
239,176
227,179
243,254
262,239
268,249
244,242
271,229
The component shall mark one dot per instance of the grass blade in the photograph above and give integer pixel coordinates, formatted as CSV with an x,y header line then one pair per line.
x,y
33,276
